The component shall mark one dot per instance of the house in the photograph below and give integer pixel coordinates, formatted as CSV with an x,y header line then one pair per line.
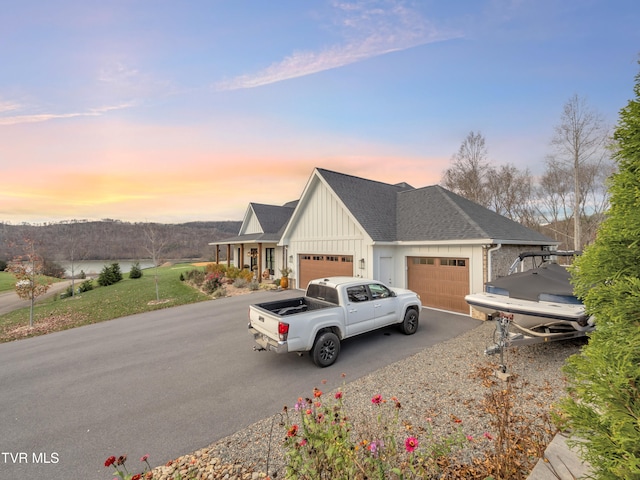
x,y
256,246
428,239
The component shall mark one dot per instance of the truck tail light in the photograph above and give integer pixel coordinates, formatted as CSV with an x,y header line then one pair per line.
x,y
283,331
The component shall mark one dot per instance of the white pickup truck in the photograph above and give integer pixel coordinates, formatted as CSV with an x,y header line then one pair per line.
x,y
333,309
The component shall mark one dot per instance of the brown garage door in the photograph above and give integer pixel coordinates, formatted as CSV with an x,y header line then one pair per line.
x,y
440,282
320,266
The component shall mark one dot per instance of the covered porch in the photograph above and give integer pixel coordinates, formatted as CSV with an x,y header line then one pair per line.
x,y
263,258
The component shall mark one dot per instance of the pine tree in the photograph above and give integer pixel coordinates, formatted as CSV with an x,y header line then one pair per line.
x,y
603,406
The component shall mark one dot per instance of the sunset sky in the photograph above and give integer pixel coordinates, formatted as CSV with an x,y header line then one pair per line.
x,y
182,110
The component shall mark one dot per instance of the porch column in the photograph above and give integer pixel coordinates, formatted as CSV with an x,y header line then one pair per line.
x,y
217,253
259,273
228,255
241,256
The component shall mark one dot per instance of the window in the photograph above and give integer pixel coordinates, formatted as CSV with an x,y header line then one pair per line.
x,y
269,259
423,261
357,294
453,262
253,255
379,291
318,257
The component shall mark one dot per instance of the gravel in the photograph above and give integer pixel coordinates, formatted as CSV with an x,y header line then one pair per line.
x,y
438,386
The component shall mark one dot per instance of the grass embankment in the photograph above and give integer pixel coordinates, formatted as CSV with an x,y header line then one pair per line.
x,y
127,297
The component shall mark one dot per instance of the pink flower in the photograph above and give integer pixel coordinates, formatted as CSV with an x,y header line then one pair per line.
x,y
338,395
377,399
410,444
470,438
488,436
110,461
144,458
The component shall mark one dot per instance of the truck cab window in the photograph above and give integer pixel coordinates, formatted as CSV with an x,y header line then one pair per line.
x,y
357,294
379,291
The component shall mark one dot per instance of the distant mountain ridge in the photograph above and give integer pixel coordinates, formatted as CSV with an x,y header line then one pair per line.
x,y
114,239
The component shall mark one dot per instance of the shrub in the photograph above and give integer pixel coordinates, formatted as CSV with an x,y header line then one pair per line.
x,y
602,408
212,282
219,292
136,271
253,286
195,276
86,286
52,269
3,265
216,268
240,283
109,275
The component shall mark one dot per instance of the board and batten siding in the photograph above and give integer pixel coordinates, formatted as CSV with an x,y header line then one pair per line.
x,y
324,227
251,225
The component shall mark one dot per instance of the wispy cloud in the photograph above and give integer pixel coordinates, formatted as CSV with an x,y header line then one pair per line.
x,y
370,28
43,117
8,106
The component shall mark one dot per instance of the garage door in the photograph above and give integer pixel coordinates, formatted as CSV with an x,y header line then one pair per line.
x,y
440,282
321,266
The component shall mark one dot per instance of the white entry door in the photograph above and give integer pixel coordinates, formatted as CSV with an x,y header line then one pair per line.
x,y
386,270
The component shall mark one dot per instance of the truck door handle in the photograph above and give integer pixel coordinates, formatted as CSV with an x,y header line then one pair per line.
x,y
353,310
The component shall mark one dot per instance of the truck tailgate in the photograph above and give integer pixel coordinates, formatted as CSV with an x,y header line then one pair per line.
x,y
264,321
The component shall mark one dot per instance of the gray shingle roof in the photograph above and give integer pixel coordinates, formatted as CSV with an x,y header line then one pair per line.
x,y
402,213
373,204
273,218
435,213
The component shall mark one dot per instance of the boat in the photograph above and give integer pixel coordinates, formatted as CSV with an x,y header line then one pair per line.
x,y
538,301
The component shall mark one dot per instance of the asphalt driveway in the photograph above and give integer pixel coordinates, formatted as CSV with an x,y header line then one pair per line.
x,y
165,383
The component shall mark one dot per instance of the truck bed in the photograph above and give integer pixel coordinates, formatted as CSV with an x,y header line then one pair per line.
x,y
294,305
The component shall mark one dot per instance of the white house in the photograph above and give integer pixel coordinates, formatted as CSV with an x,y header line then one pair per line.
x,y
428,239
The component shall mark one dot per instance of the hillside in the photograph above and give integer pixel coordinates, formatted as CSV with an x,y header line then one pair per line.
x,y
114,239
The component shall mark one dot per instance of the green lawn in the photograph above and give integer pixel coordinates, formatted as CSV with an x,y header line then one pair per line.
x,y
126,297
7,281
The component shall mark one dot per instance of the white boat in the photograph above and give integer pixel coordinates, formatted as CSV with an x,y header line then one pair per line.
x,y
538,301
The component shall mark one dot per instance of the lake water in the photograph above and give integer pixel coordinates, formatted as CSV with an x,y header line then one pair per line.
x,y
94,267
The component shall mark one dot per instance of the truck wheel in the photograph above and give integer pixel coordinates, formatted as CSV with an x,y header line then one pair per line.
x,y
326,349
410,323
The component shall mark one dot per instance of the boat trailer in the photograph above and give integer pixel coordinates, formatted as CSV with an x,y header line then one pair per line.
x,y
504,338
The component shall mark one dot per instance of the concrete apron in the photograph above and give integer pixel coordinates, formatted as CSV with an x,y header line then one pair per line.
x,y
559,463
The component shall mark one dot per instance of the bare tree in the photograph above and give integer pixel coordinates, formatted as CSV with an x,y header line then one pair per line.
x,y
28,270
553,200
579,139
466,176
73,248
155,243
509,193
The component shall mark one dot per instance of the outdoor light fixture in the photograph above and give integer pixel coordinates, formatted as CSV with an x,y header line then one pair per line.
x,y
362,264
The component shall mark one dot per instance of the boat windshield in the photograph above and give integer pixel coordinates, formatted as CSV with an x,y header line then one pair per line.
x,y
548,297
497,290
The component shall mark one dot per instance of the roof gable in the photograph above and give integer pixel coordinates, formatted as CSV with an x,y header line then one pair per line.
x,y
372,203
265,222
